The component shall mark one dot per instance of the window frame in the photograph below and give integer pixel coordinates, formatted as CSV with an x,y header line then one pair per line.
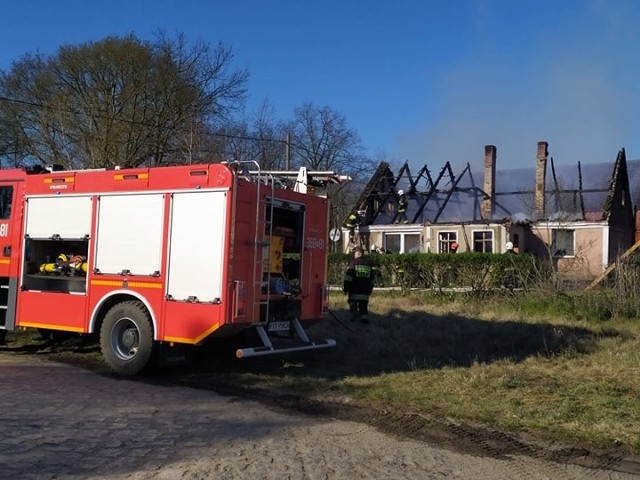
x,y
484,240
444,245
563,253
402,237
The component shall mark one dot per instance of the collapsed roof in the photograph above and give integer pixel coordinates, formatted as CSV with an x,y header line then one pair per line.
x,y
571,192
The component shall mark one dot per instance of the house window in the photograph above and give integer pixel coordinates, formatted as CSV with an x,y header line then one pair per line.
x,y
562,242
483,241
392,243
402,242
411,243
445,240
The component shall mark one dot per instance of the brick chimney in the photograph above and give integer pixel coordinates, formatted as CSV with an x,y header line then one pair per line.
x,y
486,206
541,177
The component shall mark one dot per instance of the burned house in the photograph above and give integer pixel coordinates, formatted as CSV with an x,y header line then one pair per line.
x,y
580,216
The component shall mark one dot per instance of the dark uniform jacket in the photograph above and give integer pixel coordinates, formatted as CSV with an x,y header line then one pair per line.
x,y
402,204
358,279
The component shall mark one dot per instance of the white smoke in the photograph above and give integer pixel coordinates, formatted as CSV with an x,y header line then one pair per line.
x,y
577,86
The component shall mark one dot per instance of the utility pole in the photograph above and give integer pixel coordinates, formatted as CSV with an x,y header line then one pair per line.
x,y
287,151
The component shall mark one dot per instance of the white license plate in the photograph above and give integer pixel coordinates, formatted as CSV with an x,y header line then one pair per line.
x,y
279,327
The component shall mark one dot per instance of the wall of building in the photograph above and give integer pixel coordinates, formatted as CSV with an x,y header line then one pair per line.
x,y
428,238
590,247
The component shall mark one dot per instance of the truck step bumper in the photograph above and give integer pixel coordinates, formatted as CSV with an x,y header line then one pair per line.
x,y
268,348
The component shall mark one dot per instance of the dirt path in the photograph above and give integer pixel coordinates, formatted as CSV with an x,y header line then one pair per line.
x,y
64,422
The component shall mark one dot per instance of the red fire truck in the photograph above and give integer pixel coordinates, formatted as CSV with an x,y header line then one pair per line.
x,y
152,258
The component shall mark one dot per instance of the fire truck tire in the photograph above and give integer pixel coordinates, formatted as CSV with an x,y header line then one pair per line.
x,y
126,338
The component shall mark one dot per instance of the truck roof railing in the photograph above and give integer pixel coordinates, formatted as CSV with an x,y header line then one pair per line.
x,y
298,180
303,178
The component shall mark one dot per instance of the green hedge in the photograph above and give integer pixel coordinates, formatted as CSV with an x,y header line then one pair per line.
x,y
476,271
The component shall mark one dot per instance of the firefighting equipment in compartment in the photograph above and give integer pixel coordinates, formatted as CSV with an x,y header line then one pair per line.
x,y
278,285
66,265
273,280
275,284
273,255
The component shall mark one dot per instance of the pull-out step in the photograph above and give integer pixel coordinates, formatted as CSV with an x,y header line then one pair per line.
x,y
292,345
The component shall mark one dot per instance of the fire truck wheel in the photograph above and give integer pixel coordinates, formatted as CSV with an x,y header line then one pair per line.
x,y
126,338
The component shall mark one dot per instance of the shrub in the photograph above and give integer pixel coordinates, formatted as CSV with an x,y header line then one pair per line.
x,y
474,271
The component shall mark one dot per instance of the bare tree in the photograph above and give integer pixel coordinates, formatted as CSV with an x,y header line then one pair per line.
x,y
119,101
269,139
261,139
322,140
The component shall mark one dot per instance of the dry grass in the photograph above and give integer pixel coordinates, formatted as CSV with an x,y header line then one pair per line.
x,y
477,361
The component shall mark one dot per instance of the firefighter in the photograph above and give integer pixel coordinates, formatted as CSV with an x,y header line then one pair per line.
x,y
510,276
402,207
352,223
358,285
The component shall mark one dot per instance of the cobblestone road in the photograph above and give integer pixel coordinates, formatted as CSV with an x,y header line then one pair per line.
x,y
63,422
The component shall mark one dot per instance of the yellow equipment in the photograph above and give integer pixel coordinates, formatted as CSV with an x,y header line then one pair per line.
x,y
65,265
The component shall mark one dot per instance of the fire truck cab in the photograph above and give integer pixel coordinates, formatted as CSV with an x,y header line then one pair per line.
x,y
166,256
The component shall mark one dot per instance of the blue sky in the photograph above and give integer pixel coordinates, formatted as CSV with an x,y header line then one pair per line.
x,y
422,81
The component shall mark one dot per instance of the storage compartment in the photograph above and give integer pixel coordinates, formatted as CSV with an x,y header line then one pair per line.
x,y
282,258
57,265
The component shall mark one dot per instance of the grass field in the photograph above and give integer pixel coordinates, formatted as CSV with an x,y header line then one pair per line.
x,y
497,362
